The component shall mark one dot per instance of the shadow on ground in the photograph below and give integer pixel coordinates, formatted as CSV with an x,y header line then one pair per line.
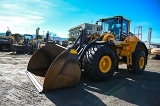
x,y
132,89
5,50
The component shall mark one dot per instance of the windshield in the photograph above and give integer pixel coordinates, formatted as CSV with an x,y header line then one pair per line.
x,y
112,25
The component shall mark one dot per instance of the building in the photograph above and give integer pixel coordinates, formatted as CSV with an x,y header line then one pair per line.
x,y
91,29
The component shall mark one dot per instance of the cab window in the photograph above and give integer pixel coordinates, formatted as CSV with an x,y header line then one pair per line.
x,y
125,27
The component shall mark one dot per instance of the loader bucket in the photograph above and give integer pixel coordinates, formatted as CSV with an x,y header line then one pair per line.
x,y
53,67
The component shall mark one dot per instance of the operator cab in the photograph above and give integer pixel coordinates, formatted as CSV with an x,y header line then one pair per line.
x,y
8,33
117,25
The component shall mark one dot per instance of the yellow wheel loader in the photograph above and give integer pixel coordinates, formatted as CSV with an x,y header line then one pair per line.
x,y
53,66
25,45
156,51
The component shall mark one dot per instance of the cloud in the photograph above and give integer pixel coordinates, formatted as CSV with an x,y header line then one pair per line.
x,y
24,15
21,15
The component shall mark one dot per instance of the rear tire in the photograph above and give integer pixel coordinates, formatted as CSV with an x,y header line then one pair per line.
x,y
138,63
100,63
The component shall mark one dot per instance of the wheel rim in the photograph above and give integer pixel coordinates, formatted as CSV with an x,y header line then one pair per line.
x,y
141,62
105,64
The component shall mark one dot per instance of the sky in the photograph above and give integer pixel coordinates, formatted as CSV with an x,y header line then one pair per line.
x,y
58,16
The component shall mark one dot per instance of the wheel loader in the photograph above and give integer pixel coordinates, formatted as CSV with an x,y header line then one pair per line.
x,y
25,45
156,51
54,67
6,41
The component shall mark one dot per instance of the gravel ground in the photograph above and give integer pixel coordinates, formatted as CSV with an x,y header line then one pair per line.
x,y
123,89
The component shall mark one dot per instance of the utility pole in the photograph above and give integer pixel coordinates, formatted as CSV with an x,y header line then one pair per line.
x,y
47,36
43,33
37,32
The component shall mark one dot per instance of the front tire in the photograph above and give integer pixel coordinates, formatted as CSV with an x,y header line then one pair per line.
x,y
100,64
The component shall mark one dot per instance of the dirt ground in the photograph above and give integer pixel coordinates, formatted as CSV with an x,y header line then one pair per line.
x,y
122,89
